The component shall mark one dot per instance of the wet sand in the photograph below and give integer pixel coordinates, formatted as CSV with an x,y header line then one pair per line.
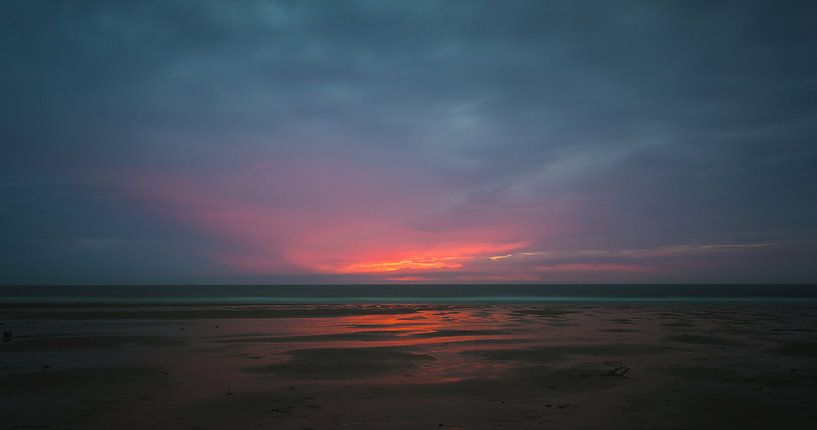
x,y
409,367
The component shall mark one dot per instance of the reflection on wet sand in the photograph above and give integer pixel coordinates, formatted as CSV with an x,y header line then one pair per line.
x,y
551,366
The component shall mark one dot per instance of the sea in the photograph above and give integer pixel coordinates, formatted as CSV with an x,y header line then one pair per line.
x,y
409,294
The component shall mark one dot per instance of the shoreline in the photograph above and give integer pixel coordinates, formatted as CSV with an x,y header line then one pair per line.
x,y
409,366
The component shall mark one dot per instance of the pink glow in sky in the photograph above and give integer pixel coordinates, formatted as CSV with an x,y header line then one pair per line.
x,y
336,218
295,218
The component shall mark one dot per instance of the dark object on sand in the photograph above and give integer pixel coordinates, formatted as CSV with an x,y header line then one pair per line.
x,y
7,336
618,371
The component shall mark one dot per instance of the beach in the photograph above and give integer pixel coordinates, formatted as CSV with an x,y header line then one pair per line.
x,y
549,366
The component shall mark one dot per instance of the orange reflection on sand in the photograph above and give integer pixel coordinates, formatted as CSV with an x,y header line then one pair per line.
x,y
442,332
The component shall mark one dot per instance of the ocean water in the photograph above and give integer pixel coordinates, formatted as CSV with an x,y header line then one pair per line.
x,y
408,294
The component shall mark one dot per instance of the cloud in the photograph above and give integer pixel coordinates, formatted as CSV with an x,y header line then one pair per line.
x,y
298,138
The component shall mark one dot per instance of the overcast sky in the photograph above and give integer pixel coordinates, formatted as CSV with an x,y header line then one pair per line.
x,y
408,141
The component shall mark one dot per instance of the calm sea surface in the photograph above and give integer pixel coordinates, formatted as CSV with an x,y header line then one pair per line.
x,y
419,294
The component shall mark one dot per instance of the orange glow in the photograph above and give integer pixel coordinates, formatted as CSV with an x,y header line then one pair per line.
x,y
405,278
391,266
449,258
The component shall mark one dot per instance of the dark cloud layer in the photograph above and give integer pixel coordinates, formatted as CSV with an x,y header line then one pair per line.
x,y
134,133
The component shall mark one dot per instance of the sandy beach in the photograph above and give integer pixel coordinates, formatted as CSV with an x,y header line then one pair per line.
x,y
408,367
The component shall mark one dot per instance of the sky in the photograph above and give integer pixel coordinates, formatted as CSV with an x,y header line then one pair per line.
x,y
408,142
